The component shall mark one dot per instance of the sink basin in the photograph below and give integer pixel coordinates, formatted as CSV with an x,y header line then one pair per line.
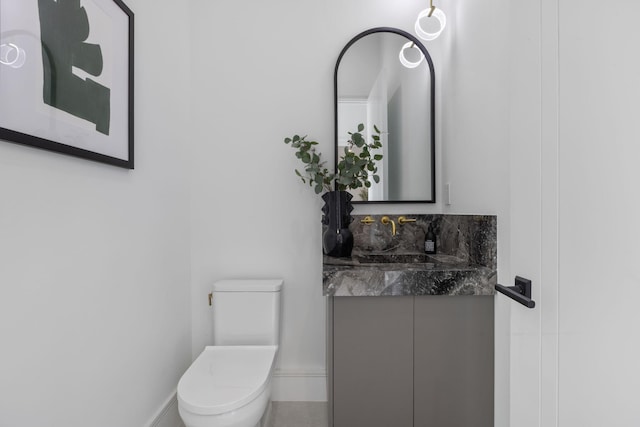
x,y
389,260
392,258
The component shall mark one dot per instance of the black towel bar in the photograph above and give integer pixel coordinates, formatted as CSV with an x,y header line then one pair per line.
x,y
521,292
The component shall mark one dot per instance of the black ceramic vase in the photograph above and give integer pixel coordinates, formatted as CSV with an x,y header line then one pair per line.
x,y
337,239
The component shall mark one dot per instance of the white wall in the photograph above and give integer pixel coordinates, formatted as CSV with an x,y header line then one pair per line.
x,y
263,71
260,72
94,259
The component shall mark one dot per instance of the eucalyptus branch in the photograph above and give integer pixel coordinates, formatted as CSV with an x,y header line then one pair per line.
x,y
354,169
315,173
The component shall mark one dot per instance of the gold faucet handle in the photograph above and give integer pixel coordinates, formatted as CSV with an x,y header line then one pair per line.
x,y
367,220
404,220
386,220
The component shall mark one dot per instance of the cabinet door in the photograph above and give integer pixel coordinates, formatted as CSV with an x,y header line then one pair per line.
x,y
373,361
453,361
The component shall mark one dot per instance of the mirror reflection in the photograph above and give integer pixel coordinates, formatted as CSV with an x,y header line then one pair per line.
x,y
384,78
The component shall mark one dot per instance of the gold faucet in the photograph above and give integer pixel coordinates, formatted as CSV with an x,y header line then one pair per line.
x,y
403,220
386,220
367,220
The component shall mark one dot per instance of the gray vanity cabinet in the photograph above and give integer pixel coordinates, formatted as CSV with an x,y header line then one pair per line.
x,y
453,361
402,361
372,362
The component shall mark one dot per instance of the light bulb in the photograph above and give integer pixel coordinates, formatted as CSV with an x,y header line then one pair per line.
x,y
403,59
439,15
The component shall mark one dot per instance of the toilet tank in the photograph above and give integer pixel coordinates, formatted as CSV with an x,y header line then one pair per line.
x,y
246,312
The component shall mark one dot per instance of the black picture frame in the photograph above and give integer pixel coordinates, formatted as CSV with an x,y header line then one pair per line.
x,y
67,77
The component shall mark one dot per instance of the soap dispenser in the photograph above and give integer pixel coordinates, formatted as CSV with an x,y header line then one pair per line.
x,y
430,241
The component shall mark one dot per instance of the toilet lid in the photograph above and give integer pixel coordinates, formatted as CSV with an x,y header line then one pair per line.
x,y
224,378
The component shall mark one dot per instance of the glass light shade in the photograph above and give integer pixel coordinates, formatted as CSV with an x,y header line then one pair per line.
x,y
12,55
439,15
403,59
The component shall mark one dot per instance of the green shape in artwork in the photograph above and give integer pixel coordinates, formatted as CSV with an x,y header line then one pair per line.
x,y
64,27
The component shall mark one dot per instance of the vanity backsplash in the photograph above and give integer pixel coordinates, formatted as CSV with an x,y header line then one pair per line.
x,y
389,257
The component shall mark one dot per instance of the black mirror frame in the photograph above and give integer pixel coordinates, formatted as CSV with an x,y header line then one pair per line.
x,y
432,115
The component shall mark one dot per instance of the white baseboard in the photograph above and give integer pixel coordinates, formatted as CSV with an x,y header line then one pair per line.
x,y
168,415
299,386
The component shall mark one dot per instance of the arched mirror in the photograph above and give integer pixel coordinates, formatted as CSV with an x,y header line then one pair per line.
x,y
384,78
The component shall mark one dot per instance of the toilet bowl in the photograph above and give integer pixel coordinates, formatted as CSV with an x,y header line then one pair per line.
x,y
229,383
227,386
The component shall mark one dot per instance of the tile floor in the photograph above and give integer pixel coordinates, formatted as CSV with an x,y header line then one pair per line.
x,y
299,414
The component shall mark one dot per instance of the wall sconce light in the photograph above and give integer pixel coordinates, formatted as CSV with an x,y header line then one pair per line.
x,y
12,55
403,59
431,12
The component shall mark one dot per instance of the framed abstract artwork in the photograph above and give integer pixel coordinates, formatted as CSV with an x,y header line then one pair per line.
x,y
66,77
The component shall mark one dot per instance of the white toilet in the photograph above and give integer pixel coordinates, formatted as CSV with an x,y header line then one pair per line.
x,y
229,384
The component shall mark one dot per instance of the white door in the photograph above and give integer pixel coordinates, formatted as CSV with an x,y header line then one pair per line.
x,y
575,213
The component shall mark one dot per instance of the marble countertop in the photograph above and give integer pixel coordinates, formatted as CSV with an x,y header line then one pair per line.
x,y
385,265
350,277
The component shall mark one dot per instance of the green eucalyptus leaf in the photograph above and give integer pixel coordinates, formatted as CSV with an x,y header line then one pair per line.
x,y
351,170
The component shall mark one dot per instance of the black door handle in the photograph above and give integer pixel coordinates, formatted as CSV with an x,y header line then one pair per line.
x,y
521,292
